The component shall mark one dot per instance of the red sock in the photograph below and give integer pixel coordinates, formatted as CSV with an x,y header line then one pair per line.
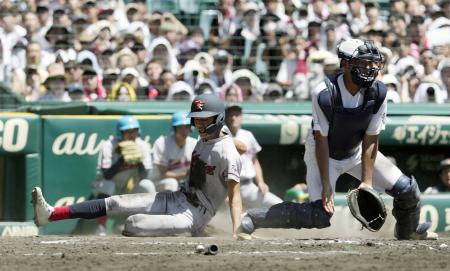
x,y
102,220
60,213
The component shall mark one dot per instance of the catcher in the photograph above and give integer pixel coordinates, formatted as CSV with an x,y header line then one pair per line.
x,y
348,114
123,165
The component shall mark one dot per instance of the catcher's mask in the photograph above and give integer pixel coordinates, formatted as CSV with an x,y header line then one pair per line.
x,y
205,106
367,207
364,58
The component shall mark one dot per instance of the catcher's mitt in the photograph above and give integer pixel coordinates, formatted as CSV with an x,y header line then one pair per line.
x,y
130,152
367,207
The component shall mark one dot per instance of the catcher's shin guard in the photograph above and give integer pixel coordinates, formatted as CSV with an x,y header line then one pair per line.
x,y
287,215
406,210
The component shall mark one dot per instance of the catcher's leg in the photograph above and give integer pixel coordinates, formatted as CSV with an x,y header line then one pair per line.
x,y
286,215
406,210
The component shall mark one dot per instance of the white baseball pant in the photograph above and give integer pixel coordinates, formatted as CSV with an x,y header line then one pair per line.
x,y
158,214
385,173
252,197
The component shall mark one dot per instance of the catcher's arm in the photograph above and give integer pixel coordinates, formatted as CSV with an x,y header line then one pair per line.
x,y
322,157
369,154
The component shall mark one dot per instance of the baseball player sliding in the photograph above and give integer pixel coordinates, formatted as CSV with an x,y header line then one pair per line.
x,y
254,190
349,112
172,154
214,174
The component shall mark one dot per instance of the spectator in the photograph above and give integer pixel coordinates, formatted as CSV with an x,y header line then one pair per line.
x,y
55,84
444,184
246,38
110,79
123,92
160,49
222,68
393,88
180,91
76,92
249,84
153,72
231,94
444,71
126,59
74,73
92,89
167,80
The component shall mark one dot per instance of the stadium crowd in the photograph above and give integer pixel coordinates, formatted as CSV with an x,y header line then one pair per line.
x,y
241,50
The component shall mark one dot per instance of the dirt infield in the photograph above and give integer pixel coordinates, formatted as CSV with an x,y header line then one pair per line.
x,y
275,250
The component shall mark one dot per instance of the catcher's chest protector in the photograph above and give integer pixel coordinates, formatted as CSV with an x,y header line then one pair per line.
x,y
347,126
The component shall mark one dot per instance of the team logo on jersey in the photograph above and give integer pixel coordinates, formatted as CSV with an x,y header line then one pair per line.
x,y
198,105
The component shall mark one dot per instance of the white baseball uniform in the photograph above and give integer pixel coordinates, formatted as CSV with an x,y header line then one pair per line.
x,y
251,195
385,174
168,213
129,179
167,153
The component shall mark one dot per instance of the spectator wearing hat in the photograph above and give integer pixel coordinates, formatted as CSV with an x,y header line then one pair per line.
x,y
126,59
76,92
55,84
110,79
205,86
249,83
45,20
180,91
222,68
154,24
61,17
429,92
192,73
135,80
444,176
92,89
161,49
206,61
393,88
34,78
56,33
107,59
89,8
274,93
